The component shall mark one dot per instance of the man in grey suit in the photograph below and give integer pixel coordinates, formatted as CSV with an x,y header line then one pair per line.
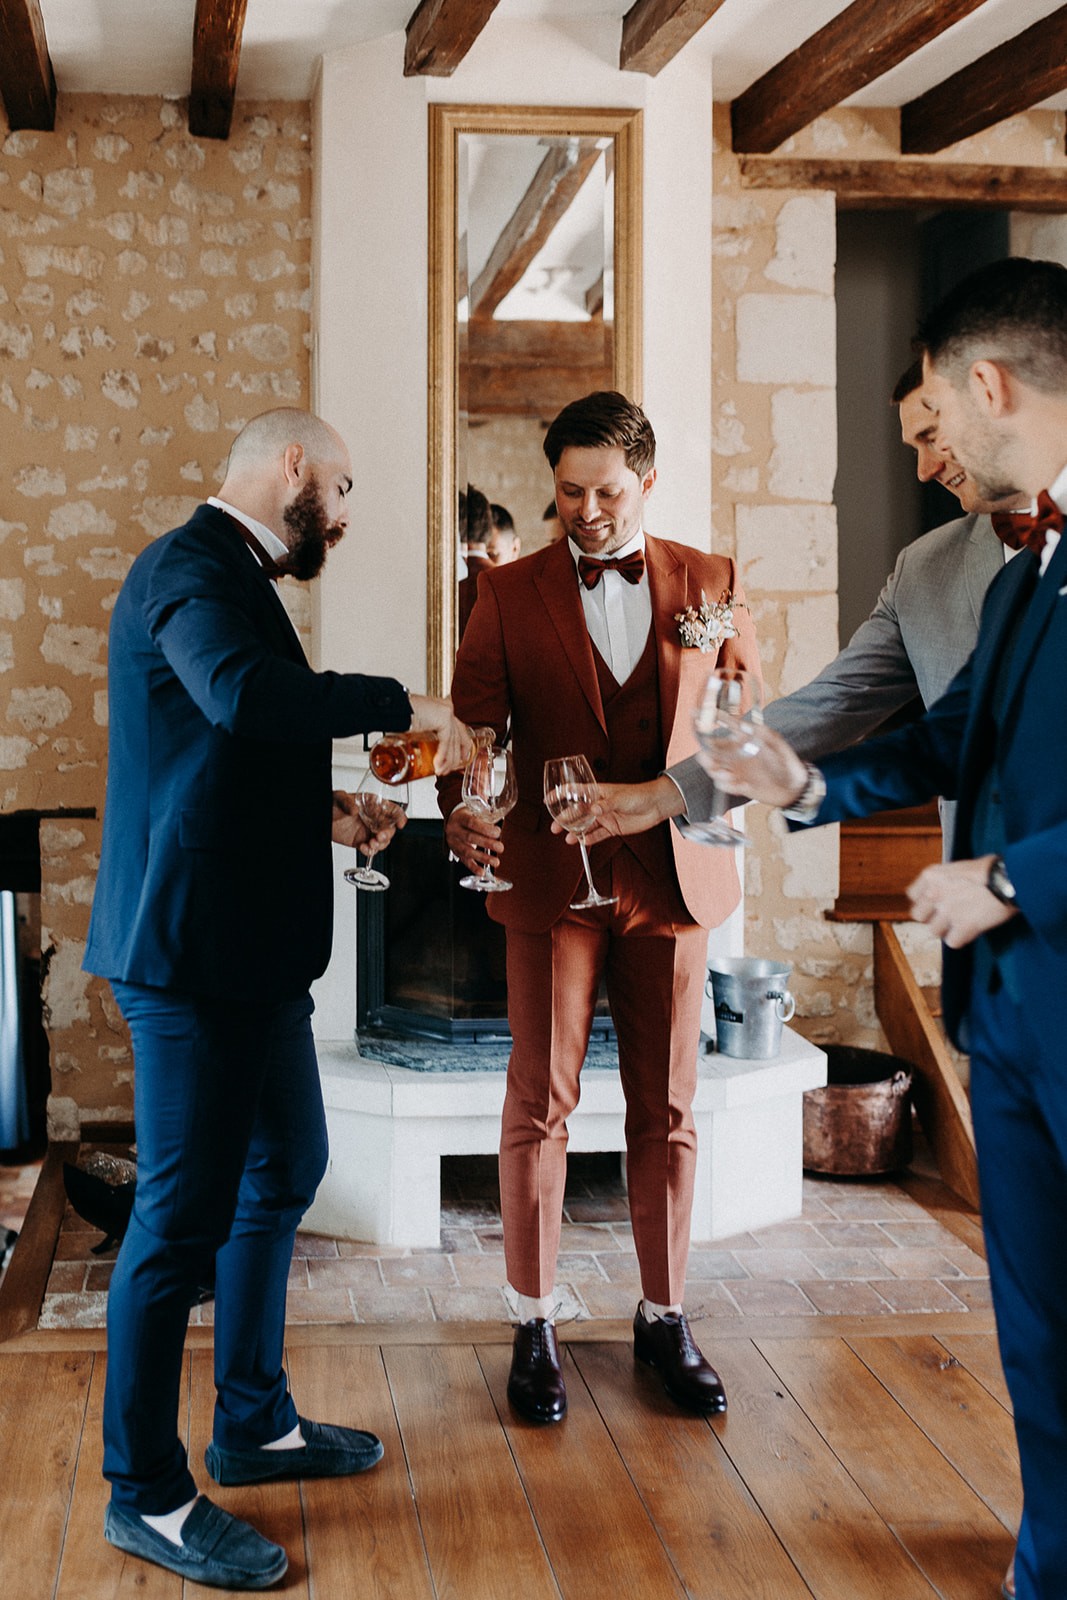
x,y
921,631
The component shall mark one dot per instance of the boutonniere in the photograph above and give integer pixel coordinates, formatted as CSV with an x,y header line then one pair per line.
x,y
704,627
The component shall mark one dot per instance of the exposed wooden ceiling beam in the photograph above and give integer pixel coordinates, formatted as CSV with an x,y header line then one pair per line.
x,y
554,185
653,31
217,31
855,47
440,33
891,184
1012,78
528,369
27,82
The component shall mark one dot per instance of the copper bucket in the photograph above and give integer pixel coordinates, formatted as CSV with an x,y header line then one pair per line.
x,y
860,1123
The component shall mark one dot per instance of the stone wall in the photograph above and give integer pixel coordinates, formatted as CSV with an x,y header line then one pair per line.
x,y
774,432
154,294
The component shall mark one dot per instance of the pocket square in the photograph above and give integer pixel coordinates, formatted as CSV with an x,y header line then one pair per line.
x,y
1063,590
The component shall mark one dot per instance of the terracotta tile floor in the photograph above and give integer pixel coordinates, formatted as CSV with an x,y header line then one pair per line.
x,y
861,1246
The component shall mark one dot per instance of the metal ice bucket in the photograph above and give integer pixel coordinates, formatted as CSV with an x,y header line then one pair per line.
x,y
752,1001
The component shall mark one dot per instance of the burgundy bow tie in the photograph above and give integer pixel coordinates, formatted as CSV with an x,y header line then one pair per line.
x,y
273,569
1019,528
630,567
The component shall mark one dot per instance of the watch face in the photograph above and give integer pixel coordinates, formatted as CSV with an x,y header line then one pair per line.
x,y
1000,884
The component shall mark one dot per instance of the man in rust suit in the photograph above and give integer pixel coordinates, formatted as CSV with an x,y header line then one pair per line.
x,y
576,649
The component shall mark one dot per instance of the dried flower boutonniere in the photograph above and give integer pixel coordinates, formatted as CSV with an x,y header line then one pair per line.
x,y
704,628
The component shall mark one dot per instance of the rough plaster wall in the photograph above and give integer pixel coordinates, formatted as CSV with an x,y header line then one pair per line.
x,y
774,445
154,294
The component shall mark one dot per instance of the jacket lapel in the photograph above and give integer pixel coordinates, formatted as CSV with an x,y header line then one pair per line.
x,y
983,557
1038,615
668,580
557,583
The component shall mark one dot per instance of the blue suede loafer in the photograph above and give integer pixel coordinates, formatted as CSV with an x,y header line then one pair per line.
x,y
328,1453
217,1549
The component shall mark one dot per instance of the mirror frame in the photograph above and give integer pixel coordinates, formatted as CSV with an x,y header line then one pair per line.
x,y
447,123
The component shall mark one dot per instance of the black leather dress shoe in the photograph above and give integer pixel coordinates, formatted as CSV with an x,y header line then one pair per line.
x,y
667,1344
535,1384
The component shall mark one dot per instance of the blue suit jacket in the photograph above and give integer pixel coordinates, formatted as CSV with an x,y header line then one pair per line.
x,y
956,743
215,873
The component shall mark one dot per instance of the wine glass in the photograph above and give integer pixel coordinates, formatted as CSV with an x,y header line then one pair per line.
x,y
571,791
730,713
489,791
377,805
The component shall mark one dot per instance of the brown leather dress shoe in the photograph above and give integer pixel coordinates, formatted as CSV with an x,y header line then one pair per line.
x,y
535,1384
667,1344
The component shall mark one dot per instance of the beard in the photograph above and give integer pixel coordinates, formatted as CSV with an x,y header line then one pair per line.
x,y
986,454
310,532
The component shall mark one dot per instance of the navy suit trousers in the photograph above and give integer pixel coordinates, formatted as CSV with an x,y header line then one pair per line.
x,y
231,1146
1019,1102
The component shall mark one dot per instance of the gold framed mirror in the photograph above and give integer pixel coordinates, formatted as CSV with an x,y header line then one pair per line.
x,y
535,256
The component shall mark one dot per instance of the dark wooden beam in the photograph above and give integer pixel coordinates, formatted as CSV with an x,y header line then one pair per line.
x,y
27,82
554,185
887,185
217,33
853,49
528,369
441,32
653,31
1012,78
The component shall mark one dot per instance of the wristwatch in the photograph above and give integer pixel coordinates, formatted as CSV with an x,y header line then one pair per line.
x,y
999,884
805,808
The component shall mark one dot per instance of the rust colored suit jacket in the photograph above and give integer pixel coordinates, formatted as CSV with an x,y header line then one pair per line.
x,y
526,664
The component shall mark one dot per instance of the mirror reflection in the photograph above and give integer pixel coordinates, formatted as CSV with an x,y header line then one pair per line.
x,y
536,233
535,326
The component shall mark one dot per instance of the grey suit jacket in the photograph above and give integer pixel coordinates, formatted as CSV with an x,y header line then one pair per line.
x,y
921,631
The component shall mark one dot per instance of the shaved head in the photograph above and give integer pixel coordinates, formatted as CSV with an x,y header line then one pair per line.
x,y
269,435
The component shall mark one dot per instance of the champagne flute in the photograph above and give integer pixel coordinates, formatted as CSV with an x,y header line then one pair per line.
x,y
489,791
730,712
571,791
377,805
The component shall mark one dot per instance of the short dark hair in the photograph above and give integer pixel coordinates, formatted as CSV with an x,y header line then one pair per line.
x,y
1013,312
501,519
604,420
549,512
908,382
473,515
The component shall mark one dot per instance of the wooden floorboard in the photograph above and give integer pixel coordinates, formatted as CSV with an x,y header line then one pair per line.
x,y
871,1461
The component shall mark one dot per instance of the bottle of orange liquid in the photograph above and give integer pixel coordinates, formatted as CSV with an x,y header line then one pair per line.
x,y
403,757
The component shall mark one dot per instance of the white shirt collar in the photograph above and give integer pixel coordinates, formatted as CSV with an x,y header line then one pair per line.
x,y
1058,492
274,547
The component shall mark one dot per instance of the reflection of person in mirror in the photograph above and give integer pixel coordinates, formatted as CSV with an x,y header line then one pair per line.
x,y
474,530
996,376
576,649
504,544
551,525
211,919
919,634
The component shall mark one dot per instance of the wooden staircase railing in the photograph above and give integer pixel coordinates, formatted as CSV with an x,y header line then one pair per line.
x,y
880,856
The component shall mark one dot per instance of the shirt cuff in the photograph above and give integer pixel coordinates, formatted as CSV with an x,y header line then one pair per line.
x,y
808,803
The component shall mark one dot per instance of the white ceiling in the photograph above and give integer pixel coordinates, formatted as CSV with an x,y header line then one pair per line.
x,y
144,46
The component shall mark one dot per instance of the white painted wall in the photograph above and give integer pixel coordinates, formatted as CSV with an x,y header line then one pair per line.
x,y
370,272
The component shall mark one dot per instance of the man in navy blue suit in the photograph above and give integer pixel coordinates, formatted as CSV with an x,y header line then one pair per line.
x,y
996,374
212,917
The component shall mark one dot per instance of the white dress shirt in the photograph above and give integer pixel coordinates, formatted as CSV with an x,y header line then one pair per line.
x,y
1058,493
618,614
272,545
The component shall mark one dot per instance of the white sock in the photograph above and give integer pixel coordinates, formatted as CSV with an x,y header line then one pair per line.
x,y
293,1440
170,1525
651,1311
529,1306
